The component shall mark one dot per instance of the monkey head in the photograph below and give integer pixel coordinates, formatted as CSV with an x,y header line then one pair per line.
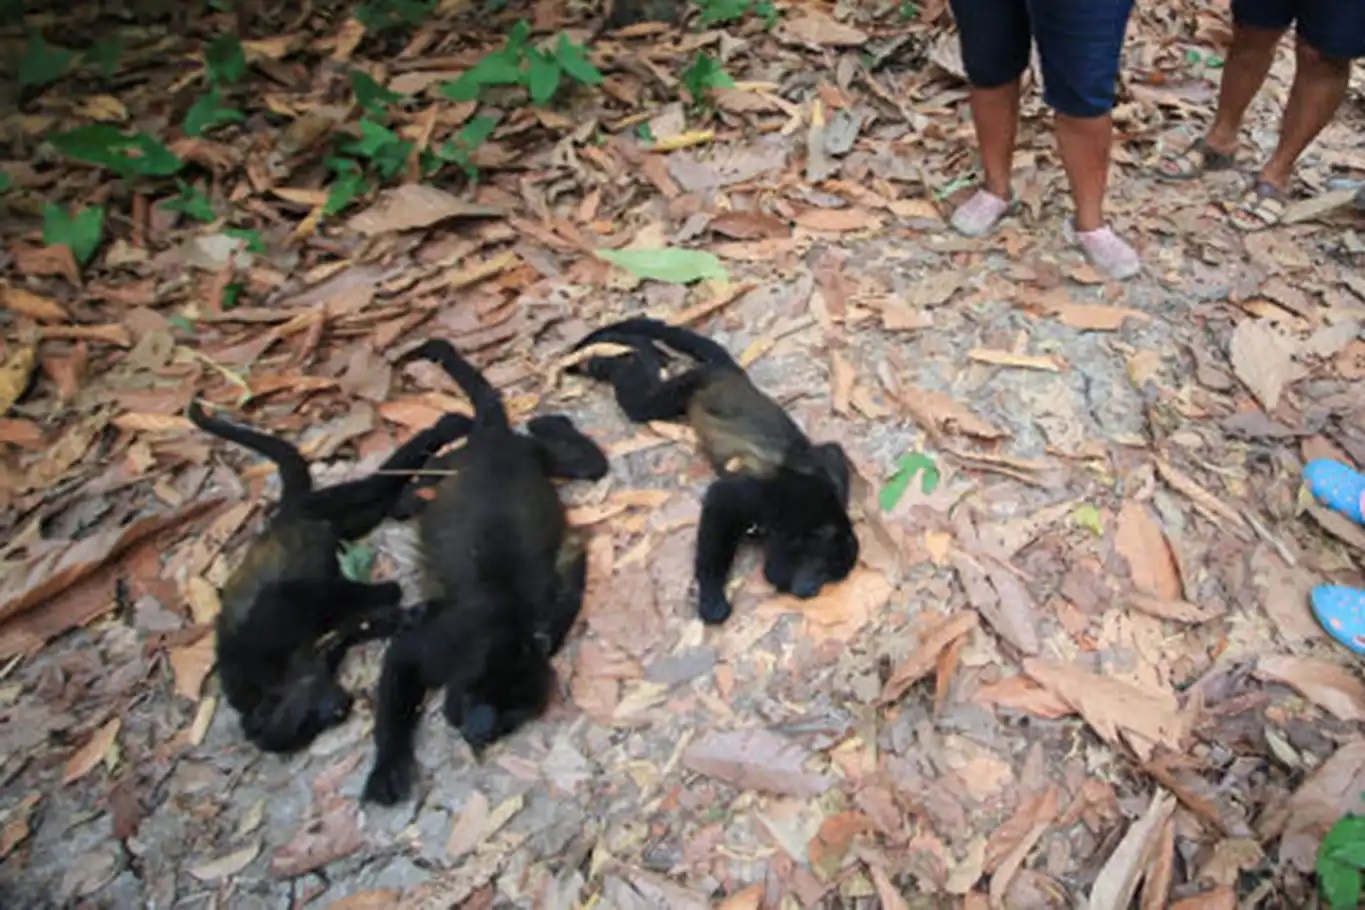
x,y
293,713
809,541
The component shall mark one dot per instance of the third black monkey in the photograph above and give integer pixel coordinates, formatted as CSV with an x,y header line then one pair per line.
x,y
773,480
288,614
505,582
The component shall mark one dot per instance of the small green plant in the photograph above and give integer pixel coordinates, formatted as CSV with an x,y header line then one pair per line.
x,y
225,60
383,15
357,561
719,12
1088,517
104,55
907,467
703,76
908,10
1341,859
370,95
192,202
209,112
42,62
459,151
128,155
6,182
250,239
518,63
80,232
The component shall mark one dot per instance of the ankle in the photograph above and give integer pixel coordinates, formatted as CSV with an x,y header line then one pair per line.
x,y
1084,224
1222,137
1275,174
1000,189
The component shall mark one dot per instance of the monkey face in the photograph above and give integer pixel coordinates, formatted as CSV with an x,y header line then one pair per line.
x,y
296,712
812,544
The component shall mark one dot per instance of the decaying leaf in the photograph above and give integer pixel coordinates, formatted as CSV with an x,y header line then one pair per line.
x,y
1141,541
1148,717
415,205
755,760
226,865
84,760
192,665
916,666
1263,358
1329,686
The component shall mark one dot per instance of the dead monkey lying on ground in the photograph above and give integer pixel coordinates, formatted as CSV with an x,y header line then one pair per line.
x,y
773,481
505,582
288,592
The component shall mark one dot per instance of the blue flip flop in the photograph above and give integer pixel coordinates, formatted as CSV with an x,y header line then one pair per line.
x,y
1336,486
1341,610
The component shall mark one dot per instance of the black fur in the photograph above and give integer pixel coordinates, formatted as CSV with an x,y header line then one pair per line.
x,y
288,614
773,481
505,582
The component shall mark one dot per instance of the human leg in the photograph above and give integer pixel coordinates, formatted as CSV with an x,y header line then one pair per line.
x,y
995,38
1079,42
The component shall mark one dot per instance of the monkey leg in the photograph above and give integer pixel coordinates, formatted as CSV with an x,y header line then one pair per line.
x,y
409,503
731,507
290,613
571,580
570,453
402,687
372,623
357,507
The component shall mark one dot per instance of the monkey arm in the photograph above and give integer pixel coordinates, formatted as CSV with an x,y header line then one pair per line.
x,y
732,506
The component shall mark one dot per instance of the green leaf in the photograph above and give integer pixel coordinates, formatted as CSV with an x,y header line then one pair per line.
x,y
208,112
357,561
543,79
374,138
369,94
1088,517
105,54
476,132
1339,884
225,60
42,62
231,293
192,202
6,182
497,68
714,12
575,62
251,238
519,35
180,322
348,186
104,145
81,233
907,467
222,6
671,264
704,75
382,15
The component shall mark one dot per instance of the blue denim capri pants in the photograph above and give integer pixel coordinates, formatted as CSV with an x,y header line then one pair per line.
x,y
1079,43
1334,28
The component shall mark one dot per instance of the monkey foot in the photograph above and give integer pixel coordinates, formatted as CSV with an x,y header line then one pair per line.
x,y
980,213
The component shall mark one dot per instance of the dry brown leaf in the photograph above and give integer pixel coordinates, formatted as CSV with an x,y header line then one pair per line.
x,y
15,828
378,899
1329,793
1328,686
1263,359
35,306
749,226
88,756
15,374
755,759
840,610
1151,716
1049,362
415,205
842,377
152,423
226,865
1220,898
939,411
1141,541
1044,812
814,28
1212,507
191,665
897,317
468,830
827,849
932,643
1000,598
1160,870
1019,693
935,289
331,834
1118,880
54,570
750,898
853,218
1174,610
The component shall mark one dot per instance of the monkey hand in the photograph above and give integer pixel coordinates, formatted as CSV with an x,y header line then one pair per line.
x,y
389,783
713,607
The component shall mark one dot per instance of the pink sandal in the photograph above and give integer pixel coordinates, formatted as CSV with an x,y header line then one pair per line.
x,y
1107,251
980,213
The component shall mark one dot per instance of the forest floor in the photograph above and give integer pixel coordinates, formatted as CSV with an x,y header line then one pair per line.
x,y
1075,667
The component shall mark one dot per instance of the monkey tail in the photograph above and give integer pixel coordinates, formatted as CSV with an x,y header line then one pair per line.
x,y
293,468
488,407
632,331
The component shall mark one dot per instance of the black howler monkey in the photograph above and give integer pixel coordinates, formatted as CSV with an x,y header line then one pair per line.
x,y
774,482
288,614
505,582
